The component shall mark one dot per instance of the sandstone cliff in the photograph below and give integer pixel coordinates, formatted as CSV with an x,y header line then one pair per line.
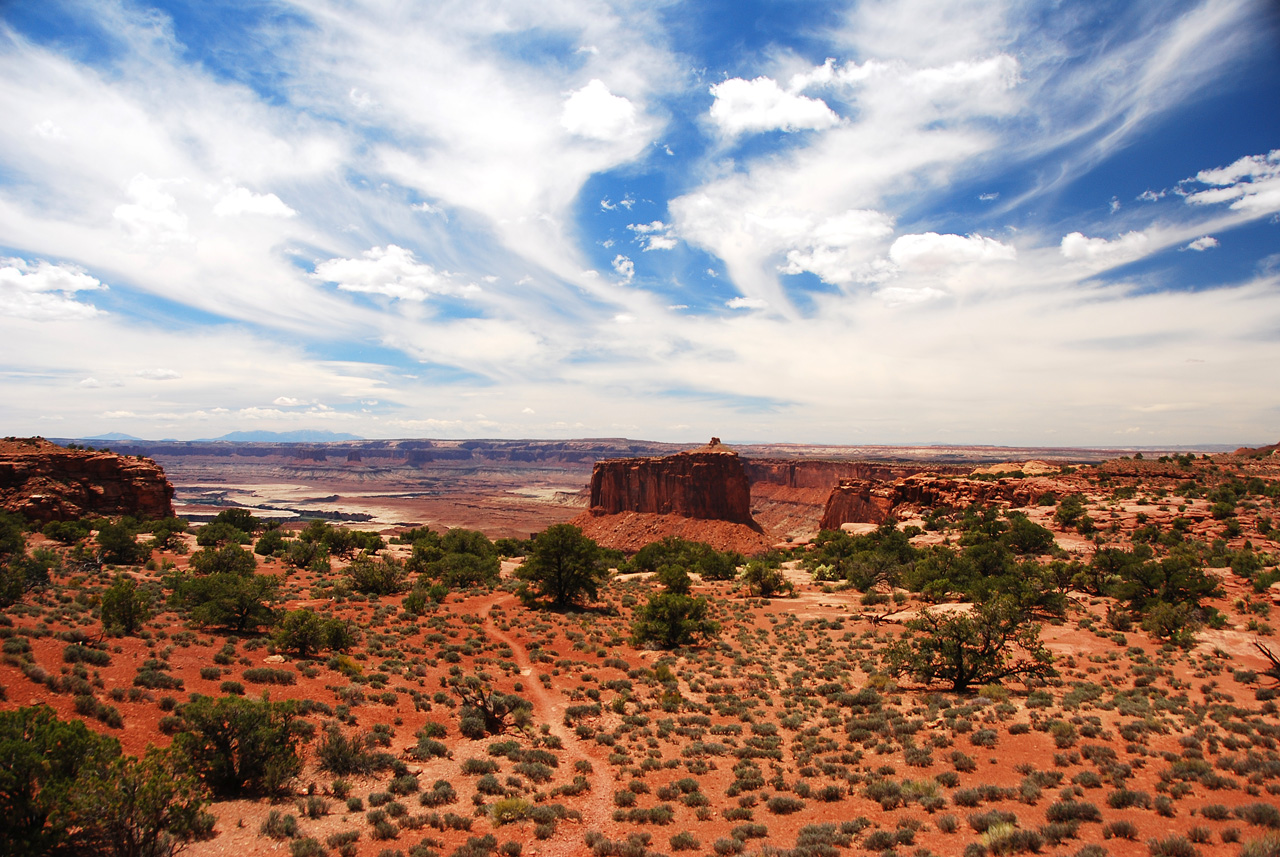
x,y
708,483
865,501
46,482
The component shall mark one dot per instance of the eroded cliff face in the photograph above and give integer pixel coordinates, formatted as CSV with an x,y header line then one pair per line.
x,y
866,501
47,482
708,483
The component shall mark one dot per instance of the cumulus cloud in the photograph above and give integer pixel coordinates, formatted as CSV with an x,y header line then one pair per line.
x,y
158,374
840,249
744,106
929,250
596,113
241,200
1077,247
655,236
1251,184
746,303
1205,242
391,271
624,268
42,291
287,402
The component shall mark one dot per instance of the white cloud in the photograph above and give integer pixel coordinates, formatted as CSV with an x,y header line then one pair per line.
x,y
1152,195
929,250
241,200
43,291
1126,248
624,268
656,235
153,218
1251,185
287,402
596,113
840,249
48,130
746,303
743,106
1205,242
391,271
158,374
90,383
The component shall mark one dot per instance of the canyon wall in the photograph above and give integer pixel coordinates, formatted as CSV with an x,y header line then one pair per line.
x,y
46,482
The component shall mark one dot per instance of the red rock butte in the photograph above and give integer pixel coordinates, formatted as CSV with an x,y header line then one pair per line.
x,y
707,483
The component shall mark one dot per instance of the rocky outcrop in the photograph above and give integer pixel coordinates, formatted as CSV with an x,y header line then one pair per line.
x,y
46,482
863,501
708,483
858,501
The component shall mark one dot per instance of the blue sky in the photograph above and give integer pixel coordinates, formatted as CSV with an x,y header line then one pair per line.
x,y
866,222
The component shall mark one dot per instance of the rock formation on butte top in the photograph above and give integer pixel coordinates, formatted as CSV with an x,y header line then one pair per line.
x,y
869,501
47,482
701,494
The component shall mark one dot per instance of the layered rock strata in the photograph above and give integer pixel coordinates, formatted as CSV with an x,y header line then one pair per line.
x,y
708,483
46,482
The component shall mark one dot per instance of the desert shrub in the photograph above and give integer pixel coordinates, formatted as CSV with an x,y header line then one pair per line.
x,y
1126,798
684,841
76,653
279,826
1072,810
1120,829
1265,846
1172,846
509,810
784,804
1260,814
267,675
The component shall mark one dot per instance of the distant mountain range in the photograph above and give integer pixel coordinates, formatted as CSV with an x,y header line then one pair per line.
x,y
300,436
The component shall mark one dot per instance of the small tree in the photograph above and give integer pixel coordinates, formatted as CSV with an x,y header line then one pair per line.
x,y
564,565
967,649
118,544
764,580
228,559
235,601
124,607
486,711
304,633
140,808
376,576
43,761
239,746
672,619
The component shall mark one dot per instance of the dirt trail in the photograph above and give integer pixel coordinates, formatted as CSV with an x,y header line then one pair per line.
x,y
549,707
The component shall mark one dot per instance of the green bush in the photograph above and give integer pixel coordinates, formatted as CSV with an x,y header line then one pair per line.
x,y
241,746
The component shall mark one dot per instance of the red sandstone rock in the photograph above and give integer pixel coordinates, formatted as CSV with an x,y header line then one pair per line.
x,y
630,531
47,482
708,483
863,501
